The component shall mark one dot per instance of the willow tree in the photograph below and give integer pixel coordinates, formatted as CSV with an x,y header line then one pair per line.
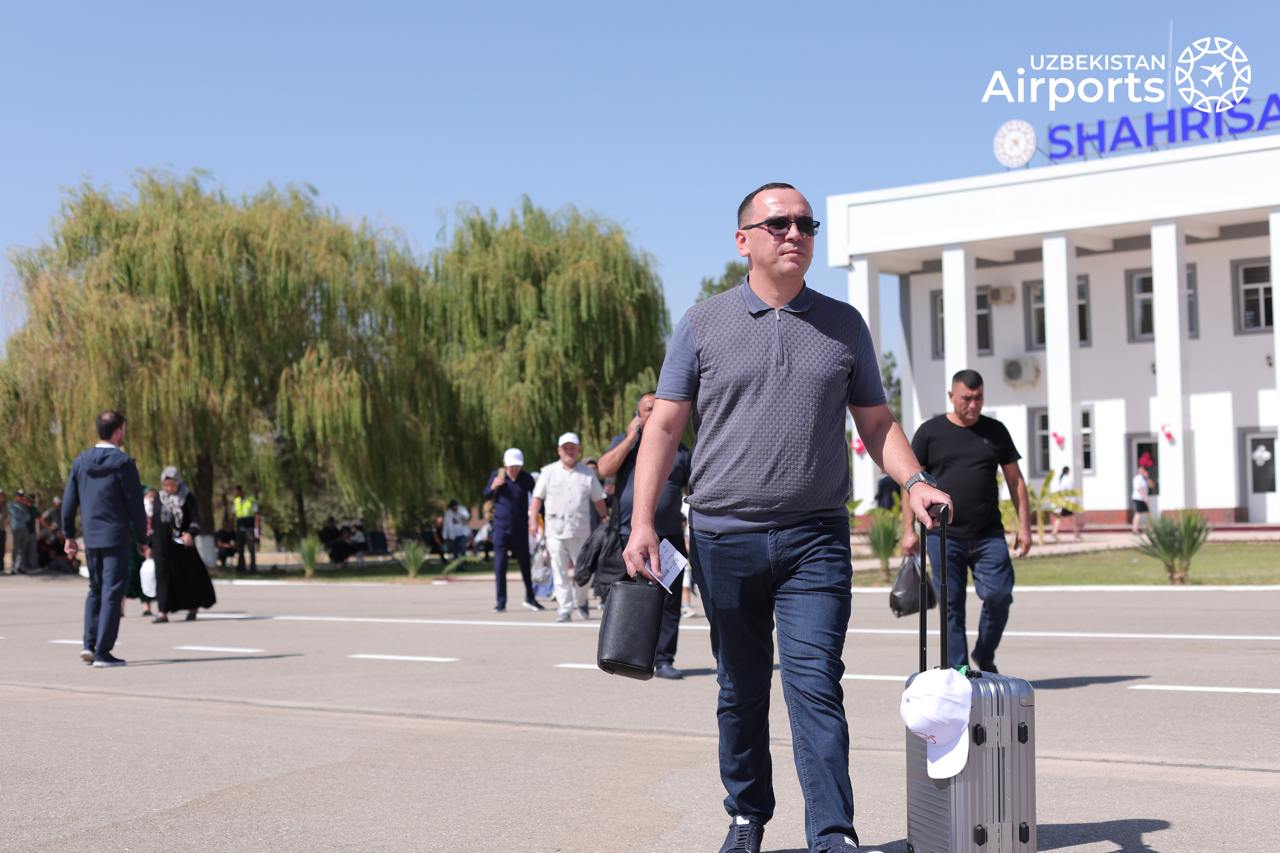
x,y
549,322
262,337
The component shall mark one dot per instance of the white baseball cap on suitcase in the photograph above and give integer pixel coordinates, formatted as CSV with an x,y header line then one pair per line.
x,y
936,707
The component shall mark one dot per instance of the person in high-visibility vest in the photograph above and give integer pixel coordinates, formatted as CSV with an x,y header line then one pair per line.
x,y
248,528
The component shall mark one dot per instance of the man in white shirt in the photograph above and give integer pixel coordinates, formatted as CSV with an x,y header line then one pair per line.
x,y
567,489
1139,496
456,529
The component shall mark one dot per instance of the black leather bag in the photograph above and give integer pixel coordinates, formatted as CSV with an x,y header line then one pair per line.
x,y
628,640
904,598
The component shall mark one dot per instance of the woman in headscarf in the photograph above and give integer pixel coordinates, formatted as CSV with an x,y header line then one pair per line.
x,y
182,581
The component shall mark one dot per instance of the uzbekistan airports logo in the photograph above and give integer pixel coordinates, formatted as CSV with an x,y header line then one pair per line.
x,y
1213,74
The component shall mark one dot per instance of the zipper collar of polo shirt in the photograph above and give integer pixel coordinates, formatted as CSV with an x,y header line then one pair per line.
x,y
756,306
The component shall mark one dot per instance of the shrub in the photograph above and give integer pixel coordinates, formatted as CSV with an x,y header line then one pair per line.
x,y
309,553
1173,539
884,532
412,555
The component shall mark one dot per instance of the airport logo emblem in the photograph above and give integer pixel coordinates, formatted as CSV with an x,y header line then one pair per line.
x,y
1213,74
1015,143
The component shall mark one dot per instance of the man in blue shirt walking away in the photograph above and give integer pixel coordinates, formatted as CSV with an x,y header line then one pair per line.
x,y
105,487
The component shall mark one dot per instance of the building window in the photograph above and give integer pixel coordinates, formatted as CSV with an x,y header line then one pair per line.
x,y
1139,285
1083,330
982,315
1033,313
1140,289
937,335
1252,296
1086,440
1039,441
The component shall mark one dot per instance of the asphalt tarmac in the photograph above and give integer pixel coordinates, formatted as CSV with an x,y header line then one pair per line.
x,y
409,717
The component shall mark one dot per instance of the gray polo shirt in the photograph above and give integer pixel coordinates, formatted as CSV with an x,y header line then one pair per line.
x,y
769,390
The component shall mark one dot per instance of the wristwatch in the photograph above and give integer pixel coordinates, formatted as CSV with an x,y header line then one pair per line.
x,y
919,477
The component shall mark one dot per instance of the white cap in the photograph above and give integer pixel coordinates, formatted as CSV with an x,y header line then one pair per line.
x,y
936,707
568,438
513,456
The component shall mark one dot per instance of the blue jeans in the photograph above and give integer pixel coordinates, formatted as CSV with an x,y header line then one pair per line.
x,y
992,578
108,571
799,575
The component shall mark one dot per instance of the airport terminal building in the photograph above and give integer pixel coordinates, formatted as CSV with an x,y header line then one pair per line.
x,y
1117,309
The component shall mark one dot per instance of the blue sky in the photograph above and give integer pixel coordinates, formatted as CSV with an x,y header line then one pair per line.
x,y
659,116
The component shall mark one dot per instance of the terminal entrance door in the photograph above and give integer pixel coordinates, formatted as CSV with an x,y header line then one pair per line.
x,y
1260,462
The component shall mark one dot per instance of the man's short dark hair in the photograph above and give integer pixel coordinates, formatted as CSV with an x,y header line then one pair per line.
x,y
744,209
108,423
971,379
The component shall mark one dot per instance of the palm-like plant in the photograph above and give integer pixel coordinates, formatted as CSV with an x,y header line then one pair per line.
x,y
412,555
1044,501
884,532
309,553
1173,539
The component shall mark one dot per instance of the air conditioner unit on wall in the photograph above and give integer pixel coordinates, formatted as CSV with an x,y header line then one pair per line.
x,y
1022,371
1003,295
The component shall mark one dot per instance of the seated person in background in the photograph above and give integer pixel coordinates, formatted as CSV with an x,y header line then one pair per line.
x,y
330,532
341,548
225,541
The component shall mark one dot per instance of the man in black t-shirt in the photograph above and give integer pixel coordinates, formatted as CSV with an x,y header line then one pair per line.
x,y
620,463
963,449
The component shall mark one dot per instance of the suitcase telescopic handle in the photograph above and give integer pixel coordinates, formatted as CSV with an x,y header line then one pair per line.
x,y
939,513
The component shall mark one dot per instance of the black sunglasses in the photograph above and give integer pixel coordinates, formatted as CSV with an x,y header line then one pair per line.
x,y
778,226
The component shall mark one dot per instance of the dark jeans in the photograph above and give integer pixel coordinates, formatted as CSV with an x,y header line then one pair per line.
x,y
4,534
992,578
108,571
517,541
458,547
800,576
245,538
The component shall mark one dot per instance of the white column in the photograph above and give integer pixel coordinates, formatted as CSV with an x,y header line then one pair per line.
x,y
1273,223
1169,299
1060,333
864,294
958,302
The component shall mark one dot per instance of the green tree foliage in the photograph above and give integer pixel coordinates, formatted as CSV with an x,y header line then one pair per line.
x,y
549,323
270,341
734,273
892,384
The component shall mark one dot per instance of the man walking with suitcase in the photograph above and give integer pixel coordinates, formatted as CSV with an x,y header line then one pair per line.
x,y
769,370
963,449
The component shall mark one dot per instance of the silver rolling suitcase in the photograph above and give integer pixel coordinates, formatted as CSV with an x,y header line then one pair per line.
x,y
990,806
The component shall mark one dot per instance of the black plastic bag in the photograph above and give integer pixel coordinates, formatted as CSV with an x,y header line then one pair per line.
x,y
904,598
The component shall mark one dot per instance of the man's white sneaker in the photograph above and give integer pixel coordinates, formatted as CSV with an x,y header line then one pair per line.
x,y
86,655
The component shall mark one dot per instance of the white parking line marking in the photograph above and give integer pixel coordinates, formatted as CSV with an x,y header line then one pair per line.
x,y
69,642
230,649
898,679
1182,688
576,666
902,632
404,657
207,616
